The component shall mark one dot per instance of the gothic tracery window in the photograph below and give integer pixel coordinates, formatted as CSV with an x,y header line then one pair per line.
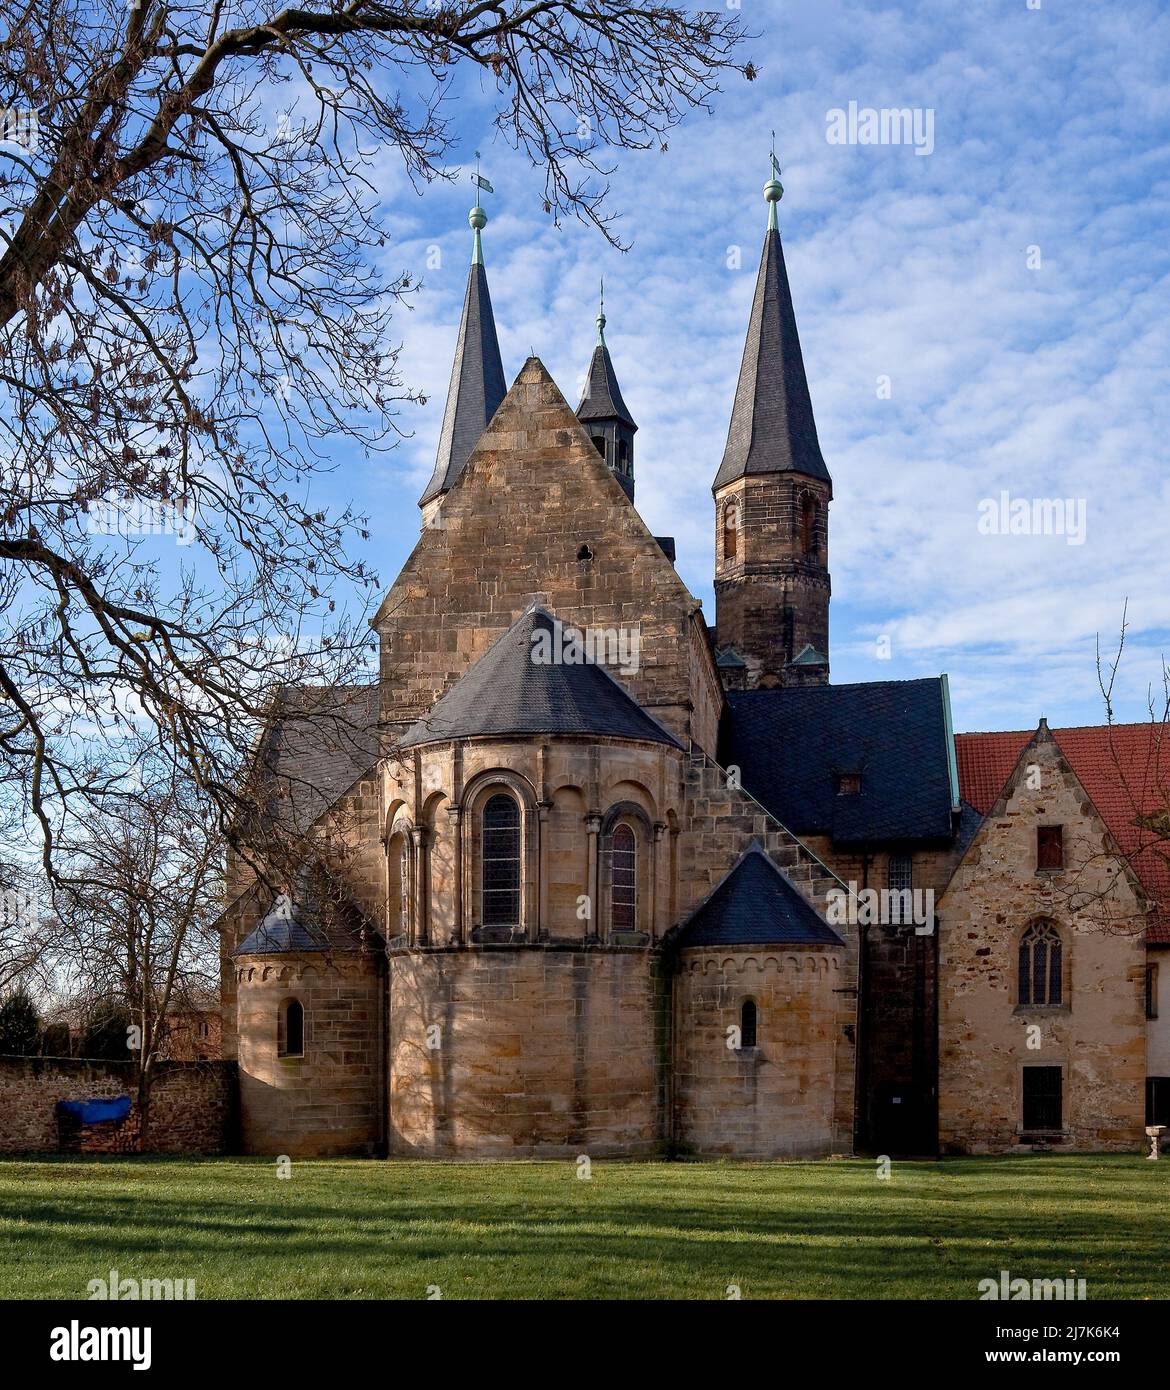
x,y
1041,967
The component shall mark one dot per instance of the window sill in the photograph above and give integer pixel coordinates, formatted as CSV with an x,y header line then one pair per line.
x,y
1049,873
1044,1010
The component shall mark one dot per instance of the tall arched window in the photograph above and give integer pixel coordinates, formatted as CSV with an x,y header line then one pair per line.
x,y
747,1023
623,457
623,898
398,856
730,530
501,862
808,523
291,1032
1041,966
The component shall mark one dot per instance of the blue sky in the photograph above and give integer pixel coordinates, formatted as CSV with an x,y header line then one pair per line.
x,y
1046,380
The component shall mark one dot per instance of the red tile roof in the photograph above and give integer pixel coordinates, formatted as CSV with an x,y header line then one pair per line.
x,y
1125,768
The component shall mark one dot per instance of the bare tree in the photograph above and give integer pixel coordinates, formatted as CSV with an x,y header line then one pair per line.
x,y
135,914
192,322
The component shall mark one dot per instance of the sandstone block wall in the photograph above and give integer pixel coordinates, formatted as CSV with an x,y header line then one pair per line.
x,y
327,1101
514,1053
774,1100
534,496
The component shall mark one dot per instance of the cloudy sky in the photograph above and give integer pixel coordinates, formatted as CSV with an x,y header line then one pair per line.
x,y
1010,288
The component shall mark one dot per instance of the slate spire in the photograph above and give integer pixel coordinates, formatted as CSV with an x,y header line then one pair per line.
x,y
477,375
772,426
604,413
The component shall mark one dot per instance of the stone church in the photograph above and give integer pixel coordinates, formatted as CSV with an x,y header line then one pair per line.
x,y
583,873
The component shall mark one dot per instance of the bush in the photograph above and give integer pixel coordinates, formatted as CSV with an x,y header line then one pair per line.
x,y
20,1025
105,1031
55,1042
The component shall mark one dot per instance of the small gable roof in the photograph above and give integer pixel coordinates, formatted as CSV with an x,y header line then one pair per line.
x,y
1124,769
755,904
792,745
535,680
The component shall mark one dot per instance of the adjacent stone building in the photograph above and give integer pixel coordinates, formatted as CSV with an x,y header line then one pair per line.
x,y
581,873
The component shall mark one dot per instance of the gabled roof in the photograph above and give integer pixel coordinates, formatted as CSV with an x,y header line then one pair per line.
x,y
477,385
603,397
1124,769
755,904
772,426
320,741
792,745
535,680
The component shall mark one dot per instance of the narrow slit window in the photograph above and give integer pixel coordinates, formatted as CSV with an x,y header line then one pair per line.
x,y
747,1023
292,1039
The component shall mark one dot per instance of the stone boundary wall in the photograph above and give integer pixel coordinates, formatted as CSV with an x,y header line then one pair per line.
x,y
193,1104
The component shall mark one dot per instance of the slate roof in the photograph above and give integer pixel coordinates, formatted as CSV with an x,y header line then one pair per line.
x,y
1124,768
755,904
318,916
772,426
508,692
603,397
319,742
477,385
280,931
791,746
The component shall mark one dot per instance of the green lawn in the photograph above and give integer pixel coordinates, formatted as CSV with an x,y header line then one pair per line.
x,y
354,1229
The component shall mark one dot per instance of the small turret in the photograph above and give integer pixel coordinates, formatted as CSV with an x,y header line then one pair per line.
x,y
605,414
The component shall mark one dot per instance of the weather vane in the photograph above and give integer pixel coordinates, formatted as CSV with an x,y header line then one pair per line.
x,y
478,179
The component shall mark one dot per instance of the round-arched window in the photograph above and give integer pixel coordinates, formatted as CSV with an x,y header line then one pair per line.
x,y
501,861
623,900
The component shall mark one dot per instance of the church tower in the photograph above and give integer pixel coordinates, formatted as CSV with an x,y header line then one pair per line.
x,y
477,378
772,494
605,415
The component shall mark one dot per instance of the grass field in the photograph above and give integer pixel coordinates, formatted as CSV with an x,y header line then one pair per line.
x,y
354,1229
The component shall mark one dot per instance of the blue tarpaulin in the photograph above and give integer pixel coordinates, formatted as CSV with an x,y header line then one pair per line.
x,y
92,1112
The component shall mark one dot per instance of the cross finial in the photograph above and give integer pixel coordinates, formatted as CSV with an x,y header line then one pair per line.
x,y
601,317
773,189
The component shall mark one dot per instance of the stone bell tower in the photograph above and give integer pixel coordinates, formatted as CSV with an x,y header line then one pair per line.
x,y
772,494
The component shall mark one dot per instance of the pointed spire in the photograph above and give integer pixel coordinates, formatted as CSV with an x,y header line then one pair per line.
x,y
604,414
603,398
772,425
477,374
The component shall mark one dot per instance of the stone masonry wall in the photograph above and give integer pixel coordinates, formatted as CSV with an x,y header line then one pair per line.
x,y
511,1053
327,1101
192,1110
1097,1035
720,822
537,512
774,1100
